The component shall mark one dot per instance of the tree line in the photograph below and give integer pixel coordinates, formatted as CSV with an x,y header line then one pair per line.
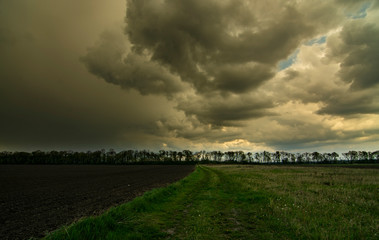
x,y
183,157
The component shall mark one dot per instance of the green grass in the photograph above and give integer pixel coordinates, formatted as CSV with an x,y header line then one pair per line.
x,y
246,202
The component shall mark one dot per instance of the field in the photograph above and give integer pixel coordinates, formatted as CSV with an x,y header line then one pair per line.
x,y
247,202
35,199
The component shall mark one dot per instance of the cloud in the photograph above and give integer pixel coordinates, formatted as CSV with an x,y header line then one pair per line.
x,y
241,78
215,48
351,103
225,111
355,49
217,62
112,60
298,127
189,74
227,46
358,51
48,99
314,78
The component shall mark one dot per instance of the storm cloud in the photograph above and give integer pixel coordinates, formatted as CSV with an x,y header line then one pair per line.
x,y
359,54
112,60
195,74
216,48
226,111
230,46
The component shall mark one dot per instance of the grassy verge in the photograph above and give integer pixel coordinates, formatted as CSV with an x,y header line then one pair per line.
x,y
246,202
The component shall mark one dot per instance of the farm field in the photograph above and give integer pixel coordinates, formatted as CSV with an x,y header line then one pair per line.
x,y
247,202
35,199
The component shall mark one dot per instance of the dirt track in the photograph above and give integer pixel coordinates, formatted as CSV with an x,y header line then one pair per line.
x,y
35,199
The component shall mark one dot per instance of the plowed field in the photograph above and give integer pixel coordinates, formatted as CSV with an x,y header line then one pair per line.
x,y
35,199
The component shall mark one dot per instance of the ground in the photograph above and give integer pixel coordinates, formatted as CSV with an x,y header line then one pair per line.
x,y
35,199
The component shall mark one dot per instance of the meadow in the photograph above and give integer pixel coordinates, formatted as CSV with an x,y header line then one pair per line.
x,y
247,202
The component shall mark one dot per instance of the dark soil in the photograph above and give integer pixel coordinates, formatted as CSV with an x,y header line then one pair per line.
x,y
36,199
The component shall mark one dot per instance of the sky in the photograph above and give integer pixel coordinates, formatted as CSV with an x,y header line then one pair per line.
x,y
249,75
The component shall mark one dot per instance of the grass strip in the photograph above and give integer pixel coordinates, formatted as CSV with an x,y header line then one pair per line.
x,y
242,202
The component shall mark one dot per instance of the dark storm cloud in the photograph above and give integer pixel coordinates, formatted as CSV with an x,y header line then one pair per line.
x,y
112,60
240,79
46,117
192,37
360,54
270,43
356,48
48,100
351,103
30,118
192,129
226,111
218,47
6,36
327,140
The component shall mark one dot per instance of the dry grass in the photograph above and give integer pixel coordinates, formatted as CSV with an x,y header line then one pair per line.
x,y
317,202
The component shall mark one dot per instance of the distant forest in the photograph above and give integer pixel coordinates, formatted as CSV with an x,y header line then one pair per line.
x,y
183,157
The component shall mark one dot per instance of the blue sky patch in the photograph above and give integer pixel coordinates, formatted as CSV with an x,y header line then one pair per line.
x,y
361,13
319,40
289,61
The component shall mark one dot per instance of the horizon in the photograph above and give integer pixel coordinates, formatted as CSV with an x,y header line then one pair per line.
x,y
105,151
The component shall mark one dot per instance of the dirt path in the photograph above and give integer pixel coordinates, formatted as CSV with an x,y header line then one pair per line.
x,y
35,199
